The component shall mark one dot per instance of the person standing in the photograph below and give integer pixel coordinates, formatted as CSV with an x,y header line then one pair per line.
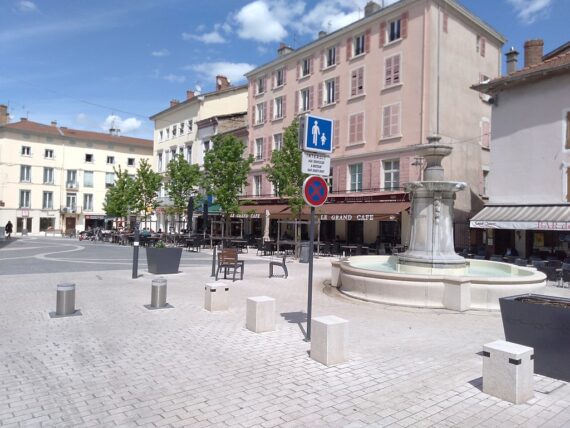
x,y
8,229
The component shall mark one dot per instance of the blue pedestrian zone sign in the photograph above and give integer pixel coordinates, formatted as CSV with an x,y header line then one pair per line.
x,y
318,134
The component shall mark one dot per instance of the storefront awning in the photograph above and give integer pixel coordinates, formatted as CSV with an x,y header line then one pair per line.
x,y
258,211
368,211
523,217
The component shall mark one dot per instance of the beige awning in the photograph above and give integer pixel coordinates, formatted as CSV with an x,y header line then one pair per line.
x,y
523,217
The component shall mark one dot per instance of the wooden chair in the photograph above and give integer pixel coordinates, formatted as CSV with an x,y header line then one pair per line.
x,y
228,259
280,264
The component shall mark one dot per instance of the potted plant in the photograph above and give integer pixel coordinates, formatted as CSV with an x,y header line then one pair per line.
x,y
542,322
162,259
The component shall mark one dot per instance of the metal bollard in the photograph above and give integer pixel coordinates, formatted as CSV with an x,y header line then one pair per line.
x,y
65,302
158,293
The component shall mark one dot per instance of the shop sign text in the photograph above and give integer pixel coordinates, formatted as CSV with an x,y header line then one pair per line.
x,y
348,217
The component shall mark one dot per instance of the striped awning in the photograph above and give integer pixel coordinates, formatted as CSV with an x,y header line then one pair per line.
x,y
523,217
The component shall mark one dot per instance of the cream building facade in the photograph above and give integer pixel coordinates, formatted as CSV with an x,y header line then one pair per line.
x,y
55,178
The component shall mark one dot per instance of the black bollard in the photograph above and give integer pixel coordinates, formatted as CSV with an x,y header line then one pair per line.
x,y
136,254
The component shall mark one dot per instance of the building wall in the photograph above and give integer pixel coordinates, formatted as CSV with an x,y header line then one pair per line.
x,y
528,154
69,154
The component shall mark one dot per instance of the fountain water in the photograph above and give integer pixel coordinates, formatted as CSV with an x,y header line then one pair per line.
x,y
430,273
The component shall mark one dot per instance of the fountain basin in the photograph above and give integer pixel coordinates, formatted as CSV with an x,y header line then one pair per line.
x,y
477,285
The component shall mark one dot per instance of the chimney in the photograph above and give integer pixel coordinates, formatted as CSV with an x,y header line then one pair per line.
x,y
512,60
174,102
284,49
54,123
3,115
23,119
222,82
322,34
370,8
189,95
533,51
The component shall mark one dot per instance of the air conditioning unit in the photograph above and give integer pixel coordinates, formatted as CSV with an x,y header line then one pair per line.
x,y
64,210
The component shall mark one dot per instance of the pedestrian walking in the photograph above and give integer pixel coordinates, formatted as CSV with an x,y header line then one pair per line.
x,y
8,229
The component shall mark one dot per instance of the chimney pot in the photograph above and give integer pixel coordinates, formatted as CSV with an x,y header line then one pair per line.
x,y
533,51
189,95
174,102
284,49
222,82
512,60
370,8
3,115
322,34
54,123
24,119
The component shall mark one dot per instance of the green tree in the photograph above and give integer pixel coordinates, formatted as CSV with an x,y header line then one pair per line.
x,y
146,187
182,179
119,199
225,173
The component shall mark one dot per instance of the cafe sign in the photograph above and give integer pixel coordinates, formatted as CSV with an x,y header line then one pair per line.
x,y
348,217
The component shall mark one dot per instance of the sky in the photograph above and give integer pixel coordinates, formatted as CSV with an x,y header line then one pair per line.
x,y
93,64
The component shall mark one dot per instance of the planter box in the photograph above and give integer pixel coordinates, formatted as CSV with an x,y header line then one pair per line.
x,y
542,322
163,260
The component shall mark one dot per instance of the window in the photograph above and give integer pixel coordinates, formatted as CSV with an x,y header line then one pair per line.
x,y
173,151
189,125
485,182
88,179
329,92
174,128
394,30
355,174
131,162
71,178
71,201
391,121
260,85
306,67
260,113
258,148
356,128
485,133
305,100
278,108
110,160
480,46
26,151
48,153
109,179
159,162
358,45
181,128
48,175
391,174
46,223
160,135
88,202
357,82
330,180
257,185
189,154
89,157
392,70
25,198
25,173
47,201
279,77
167,133
277,141
206,146
330,57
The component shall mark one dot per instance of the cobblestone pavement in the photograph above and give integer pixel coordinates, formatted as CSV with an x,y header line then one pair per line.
x,y
121,364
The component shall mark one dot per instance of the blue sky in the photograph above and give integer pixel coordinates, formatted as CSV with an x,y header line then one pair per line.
x,y
87,63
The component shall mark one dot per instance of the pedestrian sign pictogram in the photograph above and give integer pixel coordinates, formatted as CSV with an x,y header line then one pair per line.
x,y
315,191
317,134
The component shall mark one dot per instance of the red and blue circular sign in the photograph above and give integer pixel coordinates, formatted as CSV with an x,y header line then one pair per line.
x,y
315,191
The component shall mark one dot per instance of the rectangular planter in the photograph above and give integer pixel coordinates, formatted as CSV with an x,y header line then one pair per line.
x,y
542,322
163,260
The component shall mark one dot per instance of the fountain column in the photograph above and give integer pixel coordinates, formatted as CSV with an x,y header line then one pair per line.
x,y
431,241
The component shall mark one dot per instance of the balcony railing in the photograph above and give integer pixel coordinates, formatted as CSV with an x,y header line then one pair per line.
x,y
72,185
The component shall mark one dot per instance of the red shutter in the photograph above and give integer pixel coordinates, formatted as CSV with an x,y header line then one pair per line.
x,y
367,41
388,71
322,60
319,94
395,120
337,54
264,118
352,129
360,89
271,109
336,131
296,109
336,89
386,122
396,69
342,178
382,34
404,25
360,127
284,105
353,83
348,48
298,69
445,22
311,69
311,96
482,47
336,178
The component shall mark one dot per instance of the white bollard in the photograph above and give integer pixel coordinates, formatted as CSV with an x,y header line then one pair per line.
x,y
260,314
216,296
508,370
329,340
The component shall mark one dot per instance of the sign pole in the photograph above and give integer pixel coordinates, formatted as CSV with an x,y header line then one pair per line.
x,y
136,244
310,285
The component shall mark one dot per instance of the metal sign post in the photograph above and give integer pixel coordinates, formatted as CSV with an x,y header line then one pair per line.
x,y
136,254
310,291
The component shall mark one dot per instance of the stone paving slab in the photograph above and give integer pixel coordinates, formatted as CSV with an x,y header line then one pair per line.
x,y
122,365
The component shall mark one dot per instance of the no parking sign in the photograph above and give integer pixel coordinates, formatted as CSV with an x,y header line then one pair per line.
x,y
315,191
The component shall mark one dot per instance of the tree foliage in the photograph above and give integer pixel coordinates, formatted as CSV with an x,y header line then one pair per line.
x,y
284,170
120,198
146,187
182,180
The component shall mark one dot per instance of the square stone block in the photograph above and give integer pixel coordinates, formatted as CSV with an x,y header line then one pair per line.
x,y
216,296
260,314
329,340
508,370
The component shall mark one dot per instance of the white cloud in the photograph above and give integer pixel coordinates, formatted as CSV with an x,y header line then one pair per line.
x,y
208,38
26,6
127,125
528,11
82,119
174,78
233,71
160,53
256,21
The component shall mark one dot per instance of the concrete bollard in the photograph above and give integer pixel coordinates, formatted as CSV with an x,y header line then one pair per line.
x,y
65,301
329,340
260,314
158,295
216,296
508,370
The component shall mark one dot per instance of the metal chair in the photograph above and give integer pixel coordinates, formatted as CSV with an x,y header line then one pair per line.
x,y
521,262
496,258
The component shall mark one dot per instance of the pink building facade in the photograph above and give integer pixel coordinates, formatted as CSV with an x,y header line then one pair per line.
x,y
388,81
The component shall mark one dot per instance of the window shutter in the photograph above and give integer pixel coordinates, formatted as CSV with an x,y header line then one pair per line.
x,y
337,95
272,80
311,96
352,129
388,71
360,89
264,118
251,147
265,84
395,125
353,82
348,48
268,148
336,131
337,54
482,47
298,69
296,102
311,69
386,122
482,182
284,106
360,127
320,94
271,109
322,61
568,130
367,41
382,34
285,74
445,22
404,25
396,69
